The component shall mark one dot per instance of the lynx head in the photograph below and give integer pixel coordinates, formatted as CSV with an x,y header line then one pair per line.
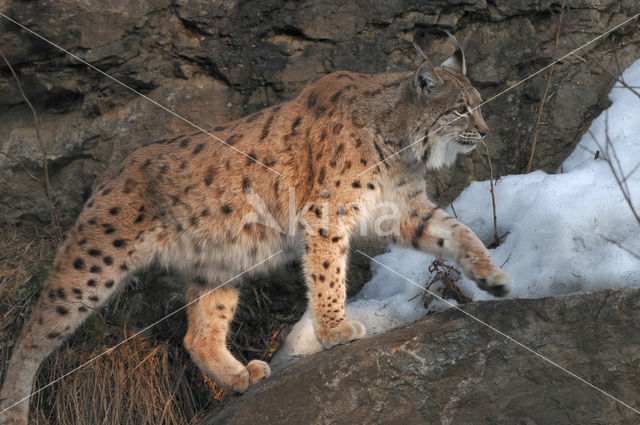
x,y
448,119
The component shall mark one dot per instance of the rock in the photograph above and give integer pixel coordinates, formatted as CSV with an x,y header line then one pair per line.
x,y
450,369
257,53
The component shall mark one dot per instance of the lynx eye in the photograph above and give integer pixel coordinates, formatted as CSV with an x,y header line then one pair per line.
x,y
461,110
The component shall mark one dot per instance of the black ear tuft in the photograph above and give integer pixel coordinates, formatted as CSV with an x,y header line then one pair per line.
x,y
426,80
457,61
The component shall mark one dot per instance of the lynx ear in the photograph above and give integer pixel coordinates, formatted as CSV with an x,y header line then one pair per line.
x,y
456,62
425,80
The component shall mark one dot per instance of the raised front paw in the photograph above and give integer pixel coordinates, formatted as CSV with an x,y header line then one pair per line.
x,y
341,334
498,283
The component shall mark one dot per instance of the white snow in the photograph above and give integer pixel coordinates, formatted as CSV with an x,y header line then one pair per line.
x,y
557,228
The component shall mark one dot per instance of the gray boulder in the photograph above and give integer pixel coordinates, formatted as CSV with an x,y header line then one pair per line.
x,y
449,369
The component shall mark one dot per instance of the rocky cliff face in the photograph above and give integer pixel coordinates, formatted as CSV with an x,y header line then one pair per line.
x,y
450,369
211,61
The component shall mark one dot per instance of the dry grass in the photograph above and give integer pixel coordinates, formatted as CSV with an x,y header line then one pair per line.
x,y
149,380
141,382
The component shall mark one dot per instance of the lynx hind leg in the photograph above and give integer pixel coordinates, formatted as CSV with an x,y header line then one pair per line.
x,y
206,338
74,290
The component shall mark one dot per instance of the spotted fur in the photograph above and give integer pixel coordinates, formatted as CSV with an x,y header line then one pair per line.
x,y
210,212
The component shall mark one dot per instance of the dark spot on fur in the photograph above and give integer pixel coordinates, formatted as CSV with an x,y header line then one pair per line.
x,y
313,276
53,335
251,158
124,267
108,229
78,264
219,128
227,209
109,283
198,148
371,186
114,211
61,293
321,277
294,126
356,184
321,175
334,98
441,242
95,252
323,232
119,243
82,309
337,128
231,140
208,177
106,191
146,164
62,310
91,282
317,212
204,213
335,239
95,269
319,295
94,298
265,129
77,291
184,143
325,264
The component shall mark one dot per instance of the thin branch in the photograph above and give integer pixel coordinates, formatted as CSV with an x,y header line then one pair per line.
x,y
496,238
546,90
57,230
446,193
616,243
24,167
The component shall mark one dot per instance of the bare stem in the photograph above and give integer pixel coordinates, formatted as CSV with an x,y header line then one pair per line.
x,y
55,224
546,90
446,193
496,238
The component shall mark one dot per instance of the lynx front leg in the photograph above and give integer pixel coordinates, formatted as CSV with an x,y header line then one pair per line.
x,y
432,230
325,263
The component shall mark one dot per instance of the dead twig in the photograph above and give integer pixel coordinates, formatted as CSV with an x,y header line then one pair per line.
x,y
496,238
55,223
446,193
534,137
24,167
619,245
610,156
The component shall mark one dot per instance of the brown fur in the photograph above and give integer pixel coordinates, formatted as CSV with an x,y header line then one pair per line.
x,y
194,204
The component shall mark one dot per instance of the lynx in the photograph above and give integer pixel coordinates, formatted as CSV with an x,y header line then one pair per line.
x,y
346,143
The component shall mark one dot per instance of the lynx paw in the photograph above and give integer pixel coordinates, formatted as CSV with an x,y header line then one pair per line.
x,y
343,333
258,370
252,373
498,284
